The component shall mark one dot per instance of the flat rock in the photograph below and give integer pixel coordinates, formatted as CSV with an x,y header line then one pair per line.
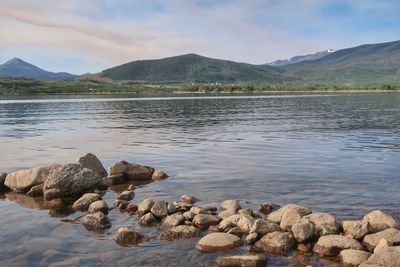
x,y
203,221
263,227
325,223
379,221
96,221
276,216
257,260
216,242
145,206
98,205
331,245
83,203
90,161
159,209
392,235
230,204
276,243
353,257
127,236
159,175
303,232
387,257
180,231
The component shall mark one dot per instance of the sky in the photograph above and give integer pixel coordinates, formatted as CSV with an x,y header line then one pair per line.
x,y
93,35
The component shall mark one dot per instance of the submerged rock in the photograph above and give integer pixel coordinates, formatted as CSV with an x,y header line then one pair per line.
x,y
132,170
83,203
98,205
276,242
392,235
91,162
257,260
35,191
159,175
331,245
115,179
379,221
96,221
215,242
180,231
126,236
352,257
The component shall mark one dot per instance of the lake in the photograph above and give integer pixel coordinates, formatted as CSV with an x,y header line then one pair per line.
x,y
336,153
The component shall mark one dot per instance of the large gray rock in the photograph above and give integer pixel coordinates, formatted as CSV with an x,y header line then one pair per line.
x,y
276,243
203,221
303,232
180,231
251,260
91,162
276,216
159,209
132,170
392,235
230,204
379,221
263,227
126,236
331,245
216,242
325,223
72,180
353,257
96,221
387,257
83,203
23,180
145,206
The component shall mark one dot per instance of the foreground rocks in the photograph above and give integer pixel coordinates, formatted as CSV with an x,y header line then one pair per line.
x,y
216,242
352,257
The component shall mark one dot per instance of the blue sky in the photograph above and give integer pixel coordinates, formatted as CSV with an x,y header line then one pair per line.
x,y
92,35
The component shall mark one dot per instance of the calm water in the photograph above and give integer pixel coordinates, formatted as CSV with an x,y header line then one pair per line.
x,y
335,153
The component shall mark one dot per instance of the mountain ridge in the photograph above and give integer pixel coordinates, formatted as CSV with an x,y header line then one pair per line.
x,y
300,58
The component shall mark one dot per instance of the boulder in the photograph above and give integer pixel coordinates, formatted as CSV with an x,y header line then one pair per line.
x,y
325,223
229,222
118,168
121,204
216,242
276,216
251,238
159,175
331,245
148,219
23,180
353,257
356,229
387,257
290,217
126,195
226,214
392,235
188,199
91,162
35,191
276,243
379,221
98,205
145,206
115,179
256,260
96,221
126,236
230,204
72,180
159,209
180,231
303,232
263,227
172,221
203,221
132,170
83,203
383,243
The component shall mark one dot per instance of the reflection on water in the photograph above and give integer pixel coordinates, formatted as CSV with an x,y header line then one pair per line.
x,y
335,153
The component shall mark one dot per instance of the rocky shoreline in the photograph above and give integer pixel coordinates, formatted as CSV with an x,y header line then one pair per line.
x,y
374,240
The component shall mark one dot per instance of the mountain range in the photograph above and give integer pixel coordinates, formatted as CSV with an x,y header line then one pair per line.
x,y
297,59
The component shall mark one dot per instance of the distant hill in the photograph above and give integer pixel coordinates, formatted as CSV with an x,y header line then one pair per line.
x,y
18,68
297,59
193,68
365,65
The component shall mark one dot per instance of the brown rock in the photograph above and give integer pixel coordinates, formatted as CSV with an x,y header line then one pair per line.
x,y
290,217
35,191
230,204
276,242
180,231
266,208
379,221
159,175
132,170
159,209
148,219
172,221
215,242
83,203
325,223
263,227
353,257
131,208
98,205
188,199
387,257
126,195
276,216
90,161
331,245
96,221
226,214
145,206
251,238
115,179
257,260
392,235
303,232
127,236
203,221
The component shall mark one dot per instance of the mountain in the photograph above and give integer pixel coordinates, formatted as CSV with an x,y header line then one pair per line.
x,y
365,65
193,68
297,59
18,68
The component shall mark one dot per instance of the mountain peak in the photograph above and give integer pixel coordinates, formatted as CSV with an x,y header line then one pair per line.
x,y
14,61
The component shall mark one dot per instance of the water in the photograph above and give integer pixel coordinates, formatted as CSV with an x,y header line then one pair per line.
x,y
335,153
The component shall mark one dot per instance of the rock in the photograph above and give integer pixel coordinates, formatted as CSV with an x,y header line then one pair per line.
x,y
71,180
189,215
325,223
245,223
36,191
251,238
203,221
2,179
263,227
159,209
216,242
266,208
188,199
247,212
51,194
159,175
356,229
180,206
226,214
126,195
131,208
331,245
131,187
257,260
148,219
127,236
379,221
198,210
91,162
387,257
132,170
118,168
276,242
145,206
83,203
352,257
180,231
303,232
383,243
290,217
98,205
392,235
236,231
230,205
211,209
115,179
171,208
23,180
229,222
172,221
276,216
96,221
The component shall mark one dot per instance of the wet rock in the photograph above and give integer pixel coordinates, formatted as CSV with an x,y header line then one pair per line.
x,y
226,214
131,187
189,215
379,221
303,232
266,208
180,231
171,208
123,204
83,203
230,204
251,238
352,257
115,179
392,235
127,236
119,168
51,194
126,195
276,216
172,221
247,212
71,180
182,207
258,260
98,205
131,208
91,162
276,242
145,206
96,221
159,209
325,223
159,175
148,219
132,170
387,257
383,243
35,191
331,245
290,217
263,227
23,180
188,199
216,242
236,231
198,210
203,221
